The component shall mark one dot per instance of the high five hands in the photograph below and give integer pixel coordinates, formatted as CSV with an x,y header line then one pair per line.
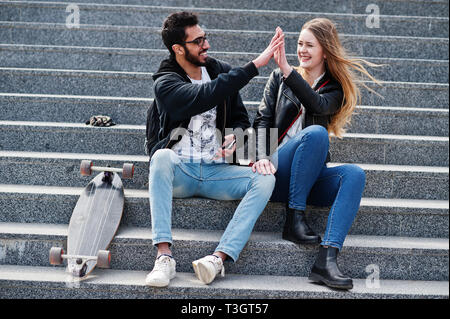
x,y
275,44
276,50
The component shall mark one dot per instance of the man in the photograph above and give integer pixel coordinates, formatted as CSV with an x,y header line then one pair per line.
x,y
197,96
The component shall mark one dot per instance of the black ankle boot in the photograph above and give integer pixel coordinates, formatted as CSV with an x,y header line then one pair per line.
x,y
326,270
297,230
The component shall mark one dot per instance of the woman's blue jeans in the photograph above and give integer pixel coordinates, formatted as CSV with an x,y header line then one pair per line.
x,y
303,178
170,177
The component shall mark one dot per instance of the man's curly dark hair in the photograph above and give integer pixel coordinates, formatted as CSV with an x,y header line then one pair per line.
x,y
174,26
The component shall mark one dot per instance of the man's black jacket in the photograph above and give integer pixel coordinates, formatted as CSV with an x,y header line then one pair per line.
x,y
178,99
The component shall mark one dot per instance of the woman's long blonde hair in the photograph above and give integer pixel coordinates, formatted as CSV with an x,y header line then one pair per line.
x,y
341,68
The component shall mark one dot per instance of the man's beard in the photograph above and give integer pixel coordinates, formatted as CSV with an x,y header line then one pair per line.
x,y
195,60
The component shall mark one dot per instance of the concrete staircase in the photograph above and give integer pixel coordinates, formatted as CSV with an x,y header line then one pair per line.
x,y
53,78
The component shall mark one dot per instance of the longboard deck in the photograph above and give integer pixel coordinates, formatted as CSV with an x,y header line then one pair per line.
x,y
95,220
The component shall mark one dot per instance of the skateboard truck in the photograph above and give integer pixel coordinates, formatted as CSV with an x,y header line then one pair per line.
x,y
86,169
103,260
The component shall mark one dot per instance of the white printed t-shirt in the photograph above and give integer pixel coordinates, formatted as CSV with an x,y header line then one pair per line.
x,y
199,141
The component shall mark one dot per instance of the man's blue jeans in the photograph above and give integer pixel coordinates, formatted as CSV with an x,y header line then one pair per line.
x,y
303,178
170,177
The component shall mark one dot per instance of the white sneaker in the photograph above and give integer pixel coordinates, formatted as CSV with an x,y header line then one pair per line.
x,y
207,268
162,272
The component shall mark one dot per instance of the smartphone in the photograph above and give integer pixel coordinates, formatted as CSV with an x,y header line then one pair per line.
x,y
229,146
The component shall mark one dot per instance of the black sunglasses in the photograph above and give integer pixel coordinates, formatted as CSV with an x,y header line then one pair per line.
x,y
200,41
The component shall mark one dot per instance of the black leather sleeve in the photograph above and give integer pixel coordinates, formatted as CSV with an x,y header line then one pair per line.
x,y
327,102
265,116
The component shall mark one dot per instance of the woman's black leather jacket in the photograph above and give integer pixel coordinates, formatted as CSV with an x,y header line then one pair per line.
x,y
283,98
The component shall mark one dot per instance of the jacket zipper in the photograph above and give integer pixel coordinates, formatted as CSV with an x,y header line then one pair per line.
x,y
298,108
299,113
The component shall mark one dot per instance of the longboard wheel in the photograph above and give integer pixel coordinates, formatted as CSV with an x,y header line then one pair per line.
x,y
56,256
128,171
85,168
103,259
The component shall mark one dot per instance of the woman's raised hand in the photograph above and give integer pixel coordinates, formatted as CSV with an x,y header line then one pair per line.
x,y
280,57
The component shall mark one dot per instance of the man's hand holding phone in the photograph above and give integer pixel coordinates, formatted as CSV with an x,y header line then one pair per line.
x,y
228,147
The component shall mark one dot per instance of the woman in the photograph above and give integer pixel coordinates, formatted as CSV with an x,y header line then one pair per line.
x,y
306,104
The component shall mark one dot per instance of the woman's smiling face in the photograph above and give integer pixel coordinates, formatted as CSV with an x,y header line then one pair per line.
x,y
309,51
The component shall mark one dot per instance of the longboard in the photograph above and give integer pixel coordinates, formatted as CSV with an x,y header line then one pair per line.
x,y
94,222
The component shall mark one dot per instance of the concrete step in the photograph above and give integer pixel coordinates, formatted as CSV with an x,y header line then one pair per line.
x,y
429,8
78,109
376,216
215,18
409,121
54,283
139,84
129,140
387,149
148,60
220,40
397,258
50,169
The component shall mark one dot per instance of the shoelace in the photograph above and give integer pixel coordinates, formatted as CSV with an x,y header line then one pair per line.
x,y
162,264
218,264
